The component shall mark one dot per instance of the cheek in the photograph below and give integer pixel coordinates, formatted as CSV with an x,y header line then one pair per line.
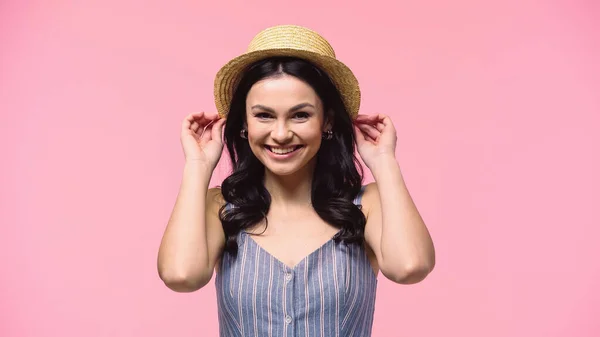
x,y
311,134
257,137
255,131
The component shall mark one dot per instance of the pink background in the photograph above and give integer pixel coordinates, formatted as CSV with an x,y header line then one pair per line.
x,y
497,107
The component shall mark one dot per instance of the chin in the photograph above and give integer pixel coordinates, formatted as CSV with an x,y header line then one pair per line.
x,y
282,171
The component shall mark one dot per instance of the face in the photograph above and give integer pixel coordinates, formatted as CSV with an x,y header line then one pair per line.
x,y
285,122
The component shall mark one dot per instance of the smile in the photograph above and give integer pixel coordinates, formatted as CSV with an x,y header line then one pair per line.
x,y
283,150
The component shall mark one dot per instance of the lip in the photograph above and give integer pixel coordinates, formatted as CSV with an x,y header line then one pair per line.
x,y
283,156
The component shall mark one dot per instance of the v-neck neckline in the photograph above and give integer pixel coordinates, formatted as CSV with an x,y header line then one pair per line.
x,y
283,264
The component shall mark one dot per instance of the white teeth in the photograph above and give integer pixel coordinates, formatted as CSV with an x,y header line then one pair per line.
x,y
282,150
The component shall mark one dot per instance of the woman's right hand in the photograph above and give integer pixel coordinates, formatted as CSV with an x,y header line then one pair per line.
x,y
201,138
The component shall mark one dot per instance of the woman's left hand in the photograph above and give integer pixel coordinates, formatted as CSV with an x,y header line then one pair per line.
x,y
375,138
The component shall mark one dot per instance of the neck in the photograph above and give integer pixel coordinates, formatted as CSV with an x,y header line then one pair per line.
x,y
290,190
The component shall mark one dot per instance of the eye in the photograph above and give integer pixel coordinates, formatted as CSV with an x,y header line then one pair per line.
x,y
262,115
301,115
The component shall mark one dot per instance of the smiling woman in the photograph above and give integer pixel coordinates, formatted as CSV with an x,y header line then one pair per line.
x,y
290,135
264,113
295,238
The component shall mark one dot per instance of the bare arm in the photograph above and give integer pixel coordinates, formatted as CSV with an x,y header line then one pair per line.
x,y
395,230
194,238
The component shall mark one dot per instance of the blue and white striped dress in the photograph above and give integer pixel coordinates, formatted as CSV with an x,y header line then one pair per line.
x,y
330,293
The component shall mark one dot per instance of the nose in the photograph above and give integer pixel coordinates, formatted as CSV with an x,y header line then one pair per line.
x,y
281,133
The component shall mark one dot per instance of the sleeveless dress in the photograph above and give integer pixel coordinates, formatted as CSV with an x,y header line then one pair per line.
x,y
330,293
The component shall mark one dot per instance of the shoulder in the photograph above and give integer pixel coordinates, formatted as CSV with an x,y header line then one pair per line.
x,y
214,199
215,194
370,197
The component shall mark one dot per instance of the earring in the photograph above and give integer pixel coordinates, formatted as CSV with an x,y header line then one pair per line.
x,y
327,135
244,133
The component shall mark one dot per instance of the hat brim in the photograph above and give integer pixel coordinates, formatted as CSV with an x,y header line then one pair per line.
x,y
343,78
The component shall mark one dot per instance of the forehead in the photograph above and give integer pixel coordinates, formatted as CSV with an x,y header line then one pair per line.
x,y
281,93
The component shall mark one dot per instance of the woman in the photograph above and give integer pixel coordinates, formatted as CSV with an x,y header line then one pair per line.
x,y
295,240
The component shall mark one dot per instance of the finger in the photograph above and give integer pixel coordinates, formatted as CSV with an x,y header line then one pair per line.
x,y
191,120
206,133
203,118
360,137
187,122
363,116
211,116
385,120
371,121
363,122
195,126
370,131
366,118
217,129
195,116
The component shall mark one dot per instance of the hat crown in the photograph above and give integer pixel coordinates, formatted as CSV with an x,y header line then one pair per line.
x,y
291,37
287,41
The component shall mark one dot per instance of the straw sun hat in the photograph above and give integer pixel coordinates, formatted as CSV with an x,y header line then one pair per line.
x,y
292,41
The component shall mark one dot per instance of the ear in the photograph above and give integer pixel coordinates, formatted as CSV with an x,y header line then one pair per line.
x,y
328,123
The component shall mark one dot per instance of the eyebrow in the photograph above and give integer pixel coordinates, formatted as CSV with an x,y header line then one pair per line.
x,y
294,108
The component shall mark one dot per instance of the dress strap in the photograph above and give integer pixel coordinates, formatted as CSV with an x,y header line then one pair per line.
x,y
358,199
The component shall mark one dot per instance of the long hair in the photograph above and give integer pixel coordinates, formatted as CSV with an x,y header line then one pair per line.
x,y
337,178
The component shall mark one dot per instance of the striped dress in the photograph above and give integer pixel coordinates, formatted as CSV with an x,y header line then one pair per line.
x,y
330,293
